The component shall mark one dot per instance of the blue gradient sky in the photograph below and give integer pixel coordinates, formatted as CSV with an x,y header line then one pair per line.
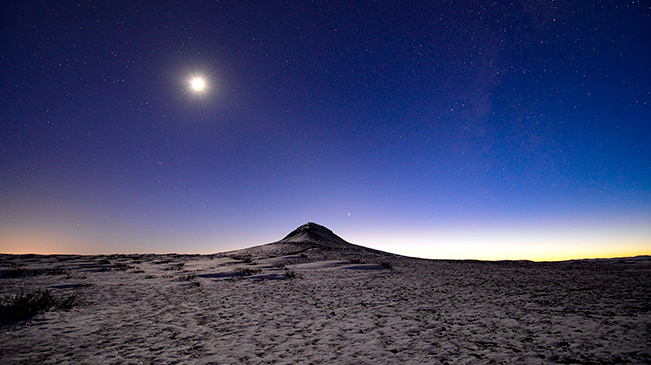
x,y
505,130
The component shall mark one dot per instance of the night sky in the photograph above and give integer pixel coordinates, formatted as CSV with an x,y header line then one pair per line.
x,y
438,129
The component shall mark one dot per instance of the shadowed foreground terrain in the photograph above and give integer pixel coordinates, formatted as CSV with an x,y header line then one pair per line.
x,y
313,297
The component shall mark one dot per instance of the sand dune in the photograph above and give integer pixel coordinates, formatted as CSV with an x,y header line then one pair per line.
x,y
313,298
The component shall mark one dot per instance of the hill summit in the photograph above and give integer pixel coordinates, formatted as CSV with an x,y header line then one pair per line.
x,y
317,234
312,237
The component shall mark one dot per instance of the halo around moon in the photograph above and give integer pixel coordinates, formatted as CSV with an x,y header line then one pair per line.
x,y
198,84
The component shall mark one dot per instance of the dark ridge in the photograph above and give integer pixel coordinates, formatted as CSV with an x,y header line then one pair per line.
x,y
314,233
310,237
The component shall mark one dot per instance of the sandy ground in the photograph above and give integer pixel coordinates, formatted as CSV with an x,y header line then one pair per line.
x,y
342,306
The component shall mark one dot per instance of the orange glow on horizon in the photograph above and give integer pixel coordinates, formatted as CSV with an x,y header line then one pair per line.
x,y
536,244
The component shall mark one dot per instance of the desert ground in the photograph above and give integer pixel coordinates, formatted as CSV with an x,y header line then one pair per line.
x,y
314,298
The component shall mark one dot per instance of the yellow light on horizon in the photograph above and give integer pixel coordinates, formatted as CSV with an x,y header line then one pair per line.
x,y
537,244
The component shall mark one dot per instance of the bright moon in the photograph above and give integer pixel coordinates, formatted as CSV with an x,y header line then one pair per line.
x,y
198,84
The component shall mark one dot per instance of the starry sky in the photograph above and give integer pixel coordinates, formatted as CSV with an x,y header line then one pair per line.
x,y
439,129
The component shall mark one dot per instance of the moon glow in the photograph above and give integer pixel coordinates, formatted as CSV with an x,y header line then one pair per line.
x,y
198,84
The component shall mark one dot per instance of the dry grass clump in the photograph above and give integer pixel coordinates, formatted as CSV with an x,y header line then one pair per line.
x,y
23,306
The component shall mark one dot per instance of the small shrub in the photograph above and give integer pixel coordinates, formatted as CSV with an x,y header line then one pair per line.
x,y
386,265
290,274
188,277
355,261
245,259
247,271
24,306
